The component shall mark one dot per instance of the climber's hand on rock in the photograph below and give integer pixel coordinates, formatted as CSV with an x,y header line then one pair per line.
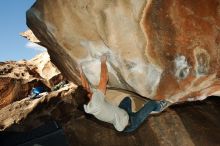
x,y
103,58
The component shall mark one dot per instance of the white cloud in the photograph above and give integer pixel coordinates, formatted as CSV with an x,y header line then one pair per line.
x,y
34,46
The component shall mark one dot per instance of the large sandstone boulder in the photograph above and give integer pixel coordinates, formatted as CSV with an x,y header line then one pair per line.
x,y
18,78
156,48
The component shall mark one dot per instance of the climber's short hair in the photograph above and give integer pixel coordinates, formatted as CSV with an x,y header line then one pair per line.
x,y
80,96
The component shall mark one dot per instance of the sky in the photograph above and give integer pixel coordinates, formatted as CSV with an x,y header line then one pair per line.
x,y
12,22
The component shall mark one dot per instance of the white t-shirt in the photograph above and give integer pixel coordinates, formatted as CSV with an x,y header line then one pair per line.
x,y
106,112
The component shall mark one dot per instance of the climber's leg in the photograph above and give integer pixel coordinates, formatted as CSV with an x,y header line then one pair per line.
x,y
136,119
126,104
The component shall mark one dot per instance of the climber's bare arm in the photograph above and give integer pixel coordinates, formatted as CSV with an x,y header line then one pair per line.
x,y
104,75
85,83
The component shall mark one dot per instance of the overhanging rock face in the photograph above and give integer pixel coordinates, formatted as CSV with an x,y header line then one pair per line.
x,y
156,48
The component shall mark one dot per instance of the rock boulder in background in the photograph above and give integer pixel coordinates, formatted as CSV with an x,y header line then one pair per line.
x,y
18,78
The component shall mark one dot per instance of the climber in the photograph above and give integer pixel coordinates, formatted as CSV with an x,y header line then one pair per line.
x,y
120,116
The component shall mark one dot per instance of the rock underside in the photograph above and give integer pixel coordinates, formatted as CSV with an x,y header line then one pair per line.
x,y
159,49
